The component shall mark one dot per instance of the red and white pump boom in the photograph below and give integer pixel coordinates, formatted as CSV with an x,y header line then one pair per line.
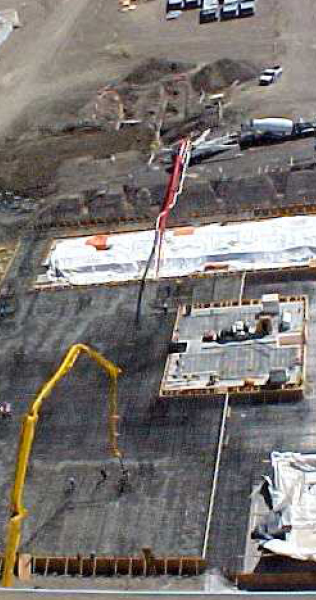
x,y
174,190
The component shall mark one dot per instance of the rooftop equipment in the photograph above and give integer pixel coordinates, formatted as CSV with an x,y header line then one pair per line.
x,y
270,304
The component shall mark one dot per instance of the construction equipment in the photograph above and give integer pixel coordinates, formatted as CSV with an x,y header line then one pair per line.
x,y
18,512
180,165
203,149
174,190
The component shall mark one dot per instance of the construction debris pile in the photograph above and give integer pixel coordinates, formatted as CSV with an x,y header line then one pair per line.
x,y
221,74
171,98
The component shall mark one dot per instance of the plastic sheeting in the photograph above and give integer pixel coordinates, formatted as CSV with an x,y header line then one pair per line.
x,y
293,495
9,19
5,29
273,243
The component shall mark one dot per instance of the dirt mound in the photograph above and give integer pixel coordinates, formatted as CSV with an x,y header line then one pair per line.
x,y
153,69
222,73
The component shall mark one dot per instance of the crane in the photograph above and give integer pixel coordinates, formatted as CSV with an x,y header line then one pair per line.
x,y
17,510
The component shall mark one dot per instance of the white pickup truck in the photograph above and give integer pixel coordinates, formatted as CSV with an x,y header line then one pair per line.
x,y
271,75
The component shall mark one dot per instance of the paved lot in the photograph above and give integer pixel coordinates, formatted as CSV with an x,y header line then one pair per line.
x,y
78,47
48,71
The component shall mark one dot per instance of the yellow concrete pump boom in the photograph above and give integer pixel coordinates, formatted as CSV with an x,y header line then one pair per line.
x,y
18,512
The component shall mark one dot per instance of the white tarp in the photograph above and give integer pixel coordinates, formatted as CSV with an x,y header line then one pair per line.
x,y
273,243
293,495
5,29
9,19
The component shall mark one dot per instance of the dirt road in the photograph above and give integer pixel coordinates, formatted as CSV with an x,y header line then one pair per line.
x,y
65,51
294,47
20,84
68,46
65,47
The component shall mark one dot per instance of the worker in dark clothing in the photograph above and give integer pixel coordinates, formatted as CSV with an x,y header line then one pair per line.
x,y
123,481
5,410
71,485
103,474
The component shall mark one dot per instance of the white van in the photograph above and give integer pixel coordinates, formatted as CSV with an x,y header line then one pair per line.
x,y
247,8
174,5
230,9
210,11
193,3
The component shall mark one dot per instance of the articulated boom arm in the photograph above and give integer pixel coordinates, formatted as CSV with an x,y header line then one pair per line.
x,y
18,512
174,190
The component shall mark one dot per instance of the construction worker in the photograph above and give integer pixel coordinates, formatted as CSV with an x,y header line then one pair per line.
x,y
123,481
103,474
5,410
71,485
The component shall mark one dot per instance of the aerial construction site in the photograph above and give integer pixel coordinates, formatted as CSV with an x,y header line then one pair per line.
x,y
157,295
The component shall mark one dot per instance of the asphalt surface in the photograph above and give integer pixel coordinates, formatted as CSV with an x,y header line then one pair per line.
x,y
169,446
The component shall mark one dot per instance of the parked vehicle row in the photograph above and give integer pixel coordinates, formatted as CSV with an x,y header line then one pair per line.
x,y
213,10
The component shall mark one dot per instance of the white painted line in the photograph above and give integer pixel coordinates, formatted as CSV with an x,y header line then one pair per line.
x,y
216,473
242,287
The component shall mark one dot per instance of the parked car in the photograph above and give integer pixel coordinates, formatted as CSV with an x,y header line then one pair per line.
x,y
270,75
